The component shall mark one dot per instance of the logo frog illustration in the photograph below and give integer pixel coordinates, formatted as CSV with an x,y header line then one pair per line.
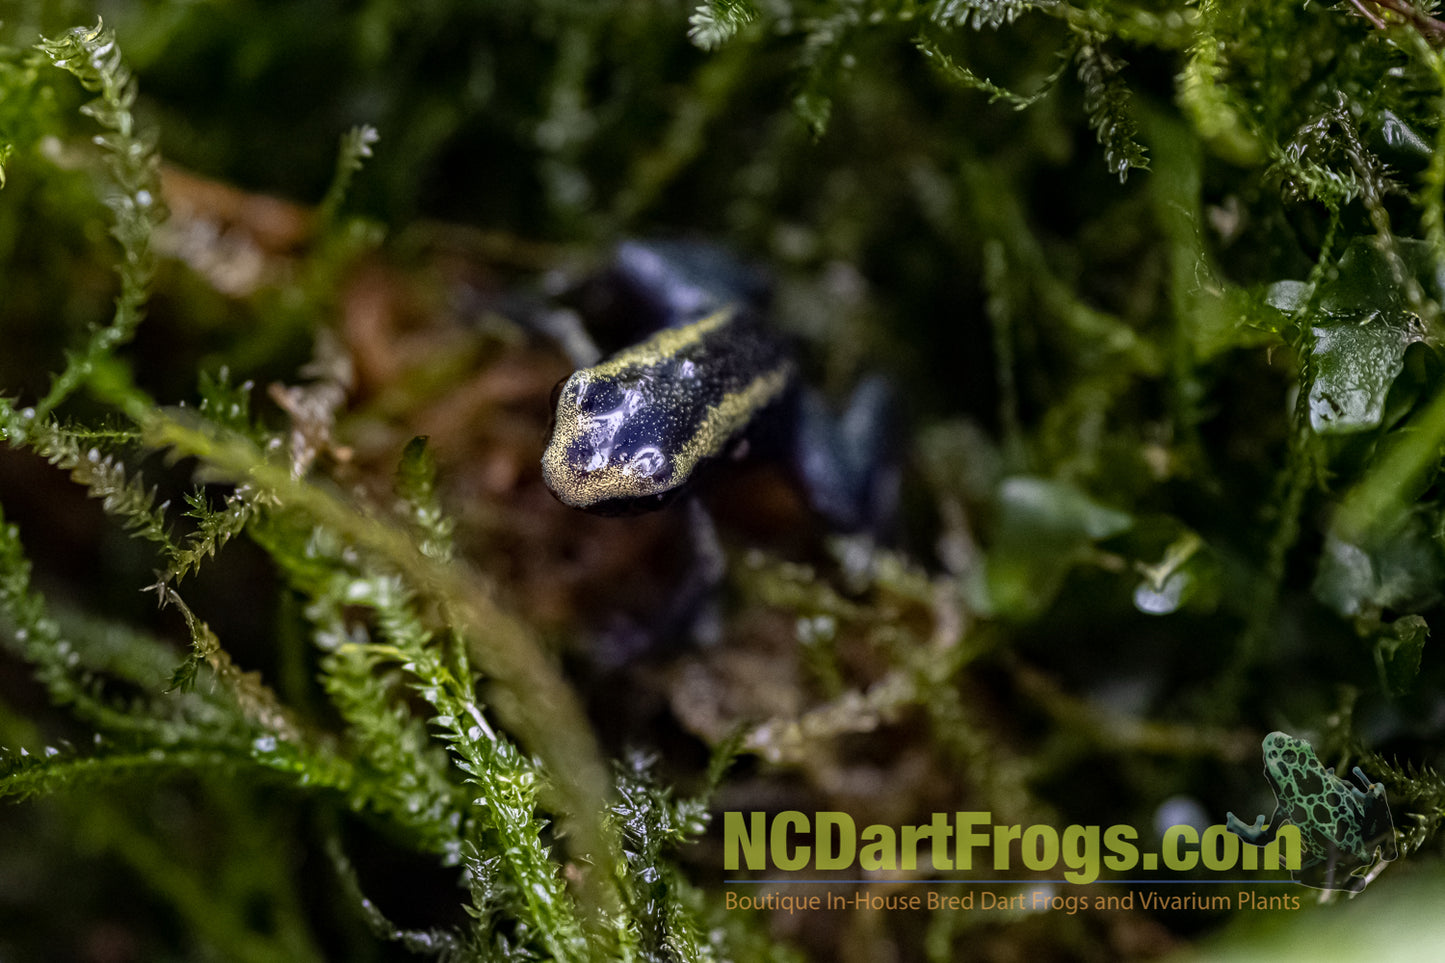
x,y
1344,831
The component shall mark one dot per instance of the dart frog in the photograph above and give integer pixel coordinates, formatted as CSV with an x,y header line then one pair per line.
x,y
1344,831
712,381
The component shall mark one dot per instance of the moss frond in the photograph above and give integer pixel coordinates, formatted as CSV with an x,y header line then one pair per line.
x,y
121,492
1106,101
714,22
416,488
444,944
960,75
133,195
213,529
24,774
979,14
356,145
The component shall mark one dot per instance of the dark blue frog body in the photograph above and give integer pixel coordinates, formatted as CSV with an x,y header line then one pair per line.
x,y
636,429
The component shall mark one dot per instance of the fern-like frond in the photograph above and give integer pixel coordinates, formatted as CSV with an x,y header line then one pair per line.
x,y
225,404
27,109
122,494
416,488
957,73
978,13
1417,799
446,944
94,58
24,774
413,788
714,22
105,674
1204,93
507,785
69,673
653,823
34,635
355,148
1106,101
1314,164
825,47
496,641
255,700
214,528
494,831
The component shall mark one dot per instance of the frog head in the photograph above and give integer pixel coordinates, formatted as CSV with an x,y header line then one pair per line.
x,y
1293,771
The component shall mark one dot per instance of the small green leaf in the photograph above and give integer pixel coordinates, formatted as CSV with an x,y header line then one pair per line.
x,y
1044,528
1288,296
1359,347
1370,279
1402,140
1398,568
1167,585
1398,651
416,486
1354,365
815,109
1040,508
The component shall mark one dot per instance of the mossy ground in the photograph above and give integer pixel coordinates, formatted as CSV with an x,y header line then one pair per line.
x,y
1159,285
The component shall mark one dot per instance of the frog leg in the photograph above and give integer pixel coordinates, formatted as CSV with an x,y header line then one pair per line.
x,y
848,463
1365,781
1256,834
673,283
691,614
1377,827
695,610
564,326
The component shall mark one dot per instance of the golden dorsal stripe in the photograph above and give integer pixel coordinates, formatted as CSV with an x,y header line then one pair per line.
x,y
665,344
728,417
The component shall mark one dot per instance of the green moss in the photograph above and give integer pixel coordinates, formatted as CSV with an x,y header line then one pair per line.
x,y
1161,284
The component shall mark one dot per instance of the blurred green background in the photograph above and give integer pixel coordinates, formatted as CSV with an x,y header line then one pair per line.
x,y
1158,284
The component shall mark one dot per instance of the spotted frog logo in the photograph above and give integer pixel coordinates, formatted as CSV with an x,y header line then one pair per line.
x,y
1346,832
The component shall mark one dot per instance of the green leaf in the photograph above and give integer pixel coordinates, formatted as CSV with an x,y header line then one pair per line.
x,y
1373,276
1367,324
23,775
1354,364
1173,580
1398,651
1399,567
1045,527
